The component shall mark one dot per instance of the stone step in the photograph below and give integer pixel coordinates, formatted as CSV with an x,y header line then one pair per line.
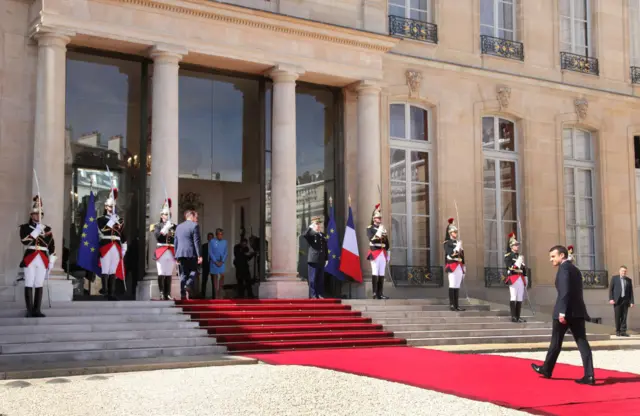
x,y
80,319
96,327
396,302
104,304
478,333
409,308
57,312
101,336
504,339
428,314
461,326
449,318
44,347
120,354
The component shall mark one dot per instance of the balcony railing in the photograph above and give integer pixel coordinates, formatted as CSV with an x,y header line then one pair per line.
x,y
579,63
503,48
413,29
635,75
595,279
418,276
496,276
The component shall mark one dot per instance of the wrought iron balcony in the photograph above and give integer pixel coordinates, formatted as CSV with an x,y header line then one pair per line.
x,y
595,279
413,29
635,75
504,48
496,277
419,276
579,63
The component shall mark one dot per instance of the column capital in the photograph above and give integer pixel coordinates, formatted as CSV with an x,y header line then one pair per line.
x,y
284,73
51,36
165,53
368,87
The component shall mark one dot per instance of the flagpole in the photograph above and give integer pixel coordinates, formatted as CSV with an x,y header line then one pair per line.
x,y
349,201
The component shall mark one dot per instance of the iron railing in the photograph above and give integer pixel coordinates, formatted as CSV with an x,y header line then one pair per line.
x,y
418,276
503,48
595,279
413,29
579,63
496,276
635,75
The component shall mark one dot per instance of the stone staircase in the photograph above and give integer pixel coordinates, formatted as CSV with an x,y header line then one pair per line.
x,y
429,322
96,331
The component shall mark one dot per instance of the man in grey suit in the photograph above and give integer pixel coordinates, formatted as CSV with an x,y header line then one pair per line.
x,y
187,246
569,312
621,297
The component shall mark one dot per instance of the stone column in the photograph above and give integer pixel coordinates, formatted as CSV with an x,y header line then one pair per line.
x,y
49,146
164,151
283,281
368,167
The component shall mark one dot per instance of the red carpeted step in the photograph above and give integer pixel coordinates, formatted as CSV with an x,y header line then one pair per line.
x,y
268,329
254,301
285,321
305,336
321,344
259,307
273,314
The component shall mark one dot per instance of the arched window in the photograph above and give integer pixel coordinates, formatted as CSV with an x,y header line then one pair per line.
x,y
411,186
500,174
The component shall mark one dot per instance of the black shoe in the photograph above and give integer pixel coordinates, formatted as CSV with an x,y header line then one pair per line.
x,y
618,334
590,381
624,334
538,369
514,319
37,302
383,297
28,300
452,308
521,321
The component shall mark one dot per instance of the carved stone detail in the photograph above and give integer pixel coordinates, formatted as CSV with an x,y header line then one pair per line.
x,y
503,94
414,78
582,107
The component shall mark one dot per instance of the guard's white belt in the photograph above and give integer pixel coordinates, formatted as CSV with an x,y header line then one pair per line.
x,y
376,245
112,238
38,248
164,245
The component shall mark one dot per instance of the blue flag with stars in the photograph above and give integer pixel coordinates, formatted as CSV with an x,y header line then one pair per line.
x,y
333,247
89,251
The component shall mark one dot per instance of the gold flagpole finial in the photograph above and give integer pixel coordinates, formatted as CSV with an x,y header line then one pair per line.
x,y
349,199
330,201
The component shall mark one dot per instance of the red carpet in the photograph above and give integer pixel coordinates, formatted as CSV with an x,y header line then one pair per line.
x,y
505,381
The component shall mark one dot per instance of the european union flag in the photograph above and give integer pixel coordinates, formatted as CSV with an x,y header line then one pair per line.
x,y
333,246
89,251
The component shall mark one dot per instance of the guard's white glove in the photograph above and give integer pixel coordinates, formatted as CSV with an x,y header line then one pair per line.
x,y
326,263
37,231
124,249
464,269
519,262
314,226
166,228
52,261
458,247
388,257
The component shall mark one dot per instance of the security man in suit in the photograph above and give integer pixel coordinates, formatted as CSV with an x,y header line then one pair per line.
x,y
378,253
454,264
187,246
316,257
164,255
569,312
621,297
516,277
113,244
38,259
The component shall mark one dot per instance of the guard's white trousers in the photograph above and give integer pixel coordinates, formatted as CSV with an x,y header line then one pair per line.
x,y
455,278
516,290
166,264
379,265
35,273
109,262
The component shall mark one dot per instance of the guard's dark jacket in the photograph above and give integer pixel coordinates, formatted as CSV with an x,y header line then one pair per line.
x,y
376,244
45,241
317,246
514,273
107,233
165,241
452,260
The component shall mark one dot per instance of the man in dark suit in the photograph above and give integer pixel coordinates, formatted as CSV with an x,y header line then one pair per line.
x,y
205,270
621,297
317,257
187,246
569,312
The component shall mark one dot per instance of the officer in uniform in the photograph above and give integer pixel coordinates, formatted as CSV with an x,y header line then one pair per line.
x,y
113,246
454,264
316,257
570,251
516,277
378,253
164,255
38,259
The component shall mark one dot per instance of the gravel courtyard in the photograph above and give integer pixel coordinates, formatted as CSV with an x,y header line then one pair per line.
x,y
254,390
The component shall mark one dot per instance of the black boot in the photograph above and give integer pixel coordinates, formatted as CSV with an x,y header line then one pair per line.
x,y
456,297
28,300
161,286
37,302
518,311
512,308
167,288
105,285
381,288
452,302
111,287
374,286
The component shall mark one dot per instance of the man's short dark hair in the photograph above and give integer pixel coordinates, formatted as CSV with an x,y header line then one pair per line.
x,y
219,230
624,267
189,213
210,235
561,250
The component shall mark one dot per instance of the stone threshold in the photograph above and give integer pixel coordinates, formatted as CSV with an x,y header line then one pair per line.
x,y
631,344
81,368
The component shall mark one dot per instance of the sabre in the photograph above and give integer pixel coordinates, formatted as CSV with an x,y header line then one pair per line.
x,y
533,312
386,268
166,196
46,275
124,277
464,286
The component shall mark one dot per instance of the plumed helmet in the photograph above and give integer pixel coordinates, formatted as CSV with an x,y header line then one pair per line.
x,y
451,227
512,240
113,196
376,212
166,207
36,207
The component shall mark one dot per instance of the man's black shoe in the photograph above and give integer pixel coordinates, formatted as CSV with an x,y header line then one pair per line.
x,y
618,334
624,334
590,381
538,369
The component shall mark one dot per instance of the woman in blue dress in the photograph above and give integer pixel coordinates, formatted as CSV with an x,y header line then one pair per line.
x,y
217,259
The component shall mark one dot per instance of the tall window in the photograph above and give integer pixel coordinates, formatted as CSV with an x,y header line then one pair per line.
x,y
410,178
579,191
498,18
575,27
500,187
412,9
634,31
636,147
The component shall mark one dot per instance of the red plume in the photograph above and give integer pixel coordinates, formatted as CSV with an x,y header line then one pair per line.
x,y
378,206
169,202
115,193
450,220
511,235
570,248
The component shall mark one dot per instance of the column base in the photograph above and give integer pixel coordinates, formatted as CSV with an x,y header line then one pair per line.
x,y
148,288
281,287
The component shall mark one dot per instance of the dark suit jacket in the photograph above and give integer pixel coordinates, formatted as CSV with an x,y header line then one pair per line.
x,y
570,300
187,243
615,290
317,246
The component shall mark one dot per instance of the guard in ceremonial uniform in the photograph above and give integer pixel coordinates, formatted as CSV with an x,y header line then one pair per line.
x,y
317,257
516,277
164,255
38,259
113,245
454,264
378,253
570,251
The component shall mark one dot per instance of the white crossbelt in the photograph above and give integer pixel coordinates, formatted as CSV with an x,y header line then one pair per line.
x,y
164,245
112,238
38,248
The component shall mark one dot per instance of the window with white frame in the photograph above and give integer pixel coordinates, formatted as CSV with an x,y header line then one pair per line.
x,y
634,32
411,186
636,148
500,190
579,195
575,27
498,18
411,9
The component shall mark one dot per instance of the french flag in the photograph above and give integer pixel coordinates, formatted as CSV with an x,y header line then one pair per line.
x,y
350,257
